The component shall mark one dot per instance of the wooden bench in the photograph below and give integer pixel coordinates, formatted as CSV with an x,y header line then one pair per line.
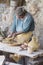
x,y
17,50
11,63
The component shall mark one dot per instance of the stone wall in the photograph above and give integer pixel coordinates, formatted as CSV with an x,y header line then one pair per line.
x,y
35,7
6,14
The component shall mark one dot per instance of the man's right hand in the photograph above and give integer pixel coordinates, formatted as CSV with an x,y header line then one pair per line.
x,y
10,35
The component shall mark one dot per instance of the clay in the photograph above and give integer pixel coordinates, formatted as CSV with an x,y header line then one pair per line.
x,y
33,45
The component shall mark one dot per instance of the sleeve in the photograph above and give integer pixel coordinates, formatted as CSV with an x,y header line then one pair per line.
x,y
28,24
13,26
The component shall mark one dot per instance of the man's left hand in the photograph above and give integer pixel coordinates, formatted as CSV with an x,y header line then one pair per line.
x,y
14,35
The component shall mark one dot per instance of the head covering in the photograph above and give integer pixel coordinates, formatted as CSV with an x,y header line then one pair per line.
x,y
20,11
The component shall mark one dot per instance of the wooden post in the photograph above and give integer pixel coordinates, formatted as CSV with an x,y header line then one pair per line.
x,y
7,2
20,2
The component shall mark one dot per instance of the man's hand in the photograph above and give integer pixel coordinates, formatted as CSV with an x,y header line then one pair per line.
x,y
10,35
14,35
24,46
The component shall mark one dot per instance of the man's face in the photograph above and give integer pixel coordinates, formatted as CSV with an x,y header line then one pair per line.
x,y
20,16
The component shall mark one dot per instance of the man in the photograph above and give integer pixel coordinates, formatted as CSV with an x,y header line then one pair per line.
x,y
23,25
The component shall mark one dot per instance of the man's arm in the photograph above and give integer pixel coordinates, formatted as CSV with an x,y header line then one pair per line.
x,y
12,28
17,33
28,24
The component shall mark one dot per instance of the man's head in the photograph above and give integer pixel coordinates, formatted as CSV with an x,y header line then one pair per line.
x,y
20,11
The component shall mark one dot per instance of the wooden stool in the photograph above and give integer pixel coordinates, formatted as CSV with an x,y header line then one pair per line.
x,y
34,61
11,63
2,59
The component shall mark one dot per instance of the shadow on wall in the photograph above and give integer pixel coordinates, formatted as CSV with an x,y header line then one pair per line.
x,y
41,43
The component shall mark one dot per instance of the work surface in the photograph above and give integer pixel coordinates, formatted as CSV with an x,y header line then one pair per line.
x,y
17,49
